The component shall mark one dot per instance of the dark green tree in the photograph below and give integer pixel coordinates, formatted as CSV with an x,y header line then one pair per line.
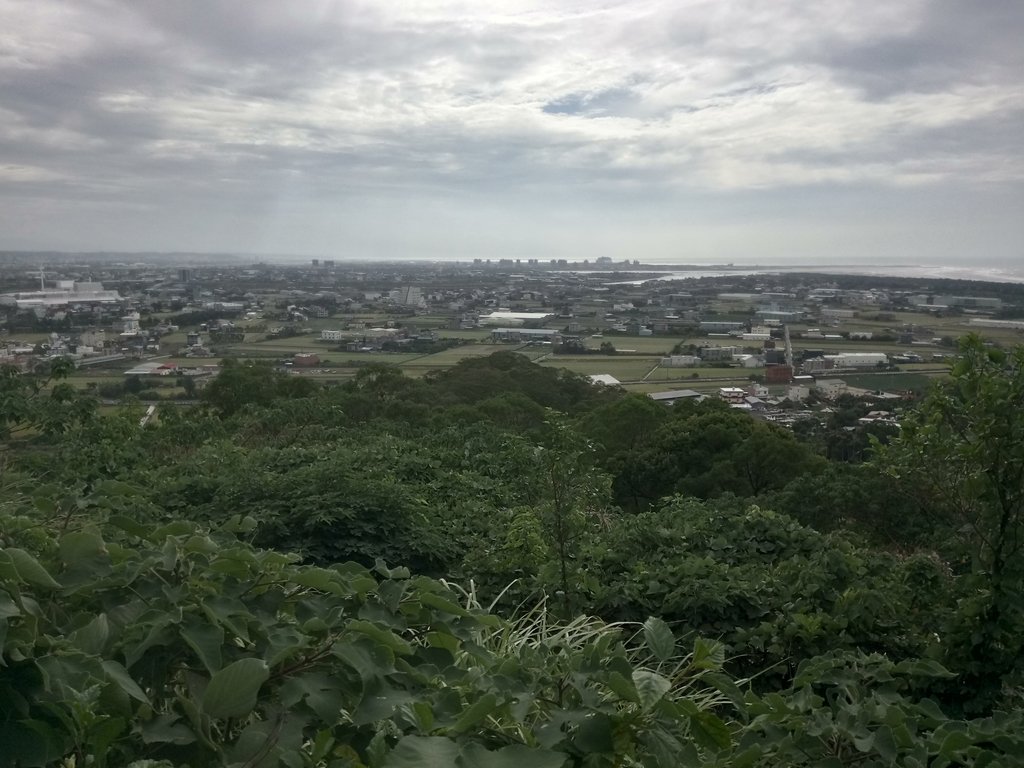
x,y
240,384
962,456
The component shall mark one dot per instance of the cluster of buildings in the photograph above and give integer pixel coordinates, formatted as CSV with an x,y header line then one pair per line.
x,y
745,322
66,293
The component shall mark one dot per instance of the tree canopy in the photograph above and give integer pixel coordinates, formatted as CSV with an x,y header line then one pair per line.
x,y
501,564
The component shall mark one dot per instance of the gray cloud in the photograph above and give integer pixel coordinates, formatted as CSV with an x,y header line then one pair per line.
x,y
273,126
950,43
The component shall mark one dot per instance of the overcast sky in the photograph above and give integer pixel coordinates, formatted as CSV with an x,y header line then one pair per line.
x,y
767,131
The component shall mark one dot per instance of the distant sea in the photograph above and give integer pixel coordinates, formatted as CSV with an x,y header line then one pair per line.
x,y
987,274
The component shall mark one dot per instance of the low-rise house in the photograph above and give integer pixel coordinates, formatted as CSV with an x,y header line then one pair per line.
x,y
831,388
732,395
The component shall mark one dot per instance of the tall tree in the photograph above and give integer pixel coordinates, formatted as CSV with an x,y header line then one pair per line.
x,y
962,455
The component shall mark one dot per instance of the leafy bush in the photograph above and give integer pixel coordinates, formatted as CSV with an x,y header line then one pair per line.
x,y
125,642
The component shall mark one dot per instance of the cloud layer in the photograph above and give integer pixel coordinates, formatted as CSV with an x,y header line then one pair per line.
x,y
697,128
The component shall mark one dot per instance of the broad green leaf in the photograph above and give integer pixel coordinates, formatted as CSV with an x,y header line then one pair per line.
x,y
93,636
44,500
380,699
202,544
31,744
233,690
206,640
659,638
595,734
383,636
885,744
953,743
622,686
81,545
424,716
170,554
102,735
443,640
167,729
240,524
667,750
475,712
709,731
323,694
650,687
130,525
284,643
29,569
513,756
230,613
422,752
370,662
319,578
864,741
8,608
401,572
376,750
322,745
432,600
177,528
267,743
114,489
923,668
120,677
160,633
708,654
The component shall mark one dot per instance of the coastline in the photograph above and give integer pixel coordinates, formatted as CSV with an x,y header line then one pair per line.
x,y
979,274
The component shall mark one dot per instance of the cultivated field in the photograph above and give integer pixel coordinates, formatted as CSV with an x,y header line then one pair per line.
x,y
637,364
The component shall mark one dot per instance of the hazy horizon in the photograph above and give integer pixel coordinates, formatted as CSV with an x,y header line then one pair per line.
x,y
667,131
1008,272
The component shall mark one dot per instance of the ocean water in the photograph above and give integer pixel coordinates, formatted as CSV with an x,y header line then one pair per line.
x,y
1001,274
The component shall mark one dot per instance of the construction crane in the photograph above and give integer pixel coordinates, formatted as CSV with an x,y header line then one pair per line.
x,y
42,278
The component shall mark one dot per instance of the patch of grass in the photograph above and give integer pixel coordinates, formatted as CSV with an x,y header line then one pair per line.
x,y
890,382
844,345
452,356
473,334
698,385
358,359
190,362
650,345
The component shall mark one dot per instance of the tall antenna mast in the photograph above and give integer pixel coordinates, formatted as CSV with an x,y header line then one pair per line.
x,y
42,275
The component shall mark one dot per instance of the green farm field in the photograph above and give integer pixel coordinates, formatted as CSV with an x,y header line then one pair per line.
x,y
890,382
472,334
189,362
449,357
453,355
648,345
696,374
843,345
698,385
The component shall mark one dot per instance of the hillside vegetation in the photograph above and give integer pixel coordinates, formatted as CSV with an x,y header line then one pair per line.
x,y
499,565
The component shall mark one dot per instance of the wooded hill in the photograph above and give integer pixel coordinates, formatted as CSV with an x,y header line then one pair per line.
x,y
501,564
